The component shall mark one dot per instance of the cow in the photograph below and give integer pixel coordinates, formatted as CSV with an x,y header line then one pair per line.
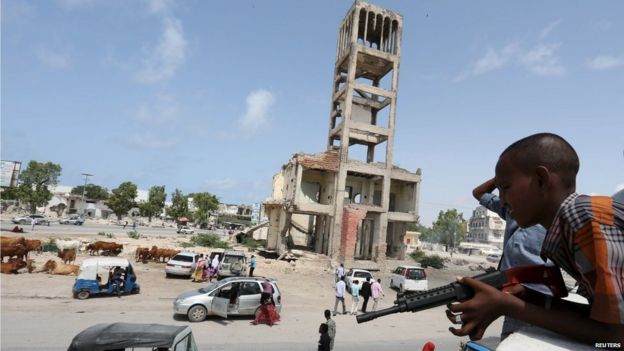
x,y
9,240
107,248
165,254
153,253
17,250
12,266
67,256
68,245
142,254
34,245
53,267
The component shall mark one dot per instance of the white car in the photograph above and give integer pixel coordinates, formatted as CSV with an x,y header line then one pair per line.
x,y
409,278
185,230
357,274
183,263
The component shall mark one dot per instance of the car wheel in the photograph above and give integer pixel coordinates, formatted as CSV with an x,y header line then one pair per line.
x,y
135,291
83,295
168,275
197,313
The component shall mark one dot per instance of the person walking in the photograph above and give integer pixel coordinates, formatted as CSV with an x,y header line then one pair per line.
x,y
340,273
252,265
377,293
340,290
33,222
125,225
134,225
366,293
355,297
331,328
198,274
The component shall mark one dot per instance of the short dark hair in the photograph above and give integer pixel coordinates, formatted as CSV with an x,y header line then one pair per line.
x,y
323,328
545,149
327,313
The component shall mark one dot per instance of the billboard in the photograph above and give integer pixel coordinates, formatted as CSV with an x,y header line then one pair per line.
x,y
9,171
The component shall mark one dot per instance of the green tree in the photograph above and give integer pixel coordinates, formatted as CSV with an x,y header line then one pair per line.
x,y
155,202
122,199
34,181
179,205
450,227
91,192
205,203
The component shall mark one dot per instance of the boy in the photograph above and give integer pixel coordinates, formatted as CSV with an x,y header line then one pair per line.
x,y
536,177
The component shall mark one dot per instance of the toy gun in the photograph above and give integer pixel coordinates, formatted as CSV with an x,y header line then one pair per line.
x,y
422,300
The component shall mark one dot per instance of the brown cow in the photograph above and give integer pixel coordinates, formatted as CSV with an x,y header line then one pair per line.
x,y
142,254
12,266
107,248
9,240
165,254
153,253
67,256
17,250
34,245
60,268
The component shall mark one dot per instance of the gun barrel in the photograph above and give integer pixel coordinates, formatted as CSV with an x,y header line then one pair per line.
x,y
361,318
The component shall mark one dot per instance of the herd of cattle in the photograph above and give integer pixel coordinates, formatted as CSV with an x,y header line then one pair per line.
x,y
18,248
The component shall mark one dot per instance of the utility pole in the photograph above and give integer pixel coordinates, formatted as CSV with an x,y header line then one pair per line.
x,y
84,188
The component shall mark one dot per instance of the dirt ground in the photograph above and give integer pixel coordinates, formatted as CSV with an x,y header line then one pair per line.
x,y
39,312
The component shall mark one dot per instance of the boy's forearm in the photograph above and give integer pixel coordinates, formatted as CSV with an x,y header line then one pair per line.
x,y
486,187
565,321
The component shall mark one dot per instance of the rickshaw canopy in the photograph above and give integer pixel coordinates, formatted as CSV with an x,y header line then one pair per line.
x,y
107,336
89,267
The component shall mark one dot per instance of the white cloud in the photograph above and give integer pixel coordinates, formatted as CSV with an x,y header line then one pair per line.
x,y
148,141
543,60
162,61
549,28
159,6
605,62
51,58
258,104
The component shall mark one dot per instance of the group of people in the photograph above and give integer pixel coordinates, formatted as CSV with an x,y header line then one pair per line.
x,y
205,269
368,289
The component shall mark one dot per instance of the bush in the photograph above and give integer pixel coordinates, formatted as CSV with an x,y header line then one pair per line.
x,y
209,240
417,255
133,234
253,243
108,235
50,246
184,244
433,261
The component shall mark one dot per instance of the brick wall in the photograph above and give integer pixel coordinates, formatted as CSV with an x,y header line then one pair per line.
x,y
351,218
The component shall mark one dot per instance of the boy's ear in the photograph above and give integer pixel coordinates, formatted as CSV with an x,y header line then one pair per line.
x,y
543,176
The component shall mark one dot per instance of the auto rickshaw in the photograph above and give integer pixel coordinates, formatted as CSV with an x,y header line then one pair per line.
x,y
105,276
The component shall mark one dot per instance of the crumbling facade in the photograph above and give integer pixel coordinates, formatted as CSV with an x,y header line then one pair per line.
x,y
350,202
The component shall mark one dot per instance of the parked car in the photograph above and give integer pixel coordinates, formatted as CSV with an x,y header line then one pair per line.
x,y
357,274
75,220
215,299
185,230
409,278
494,258
134,336
183,263
39,219
233,263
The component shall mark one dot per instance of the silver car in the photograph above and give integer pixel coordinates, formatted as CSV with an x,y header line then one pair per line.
x,y
215,299
39,219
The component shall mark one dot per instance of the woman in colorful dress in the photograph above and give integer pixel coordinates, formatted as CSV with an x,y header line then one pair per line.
x,y
267,313
198,275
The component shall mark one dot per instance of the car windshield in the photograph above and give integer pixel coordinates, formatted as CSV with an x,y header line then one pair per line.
x,y
415,274
183,258
362,275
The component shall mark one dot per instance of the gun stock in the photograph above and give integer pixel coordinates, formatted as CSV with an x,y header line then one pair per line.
x,y
422,300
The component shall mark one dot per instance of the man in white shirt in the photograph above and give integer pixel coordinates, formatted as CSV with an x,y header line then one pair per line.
x,y
340,272
340,290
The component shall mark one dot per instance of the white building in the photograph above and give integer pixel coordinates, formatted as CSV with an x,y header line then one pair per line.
x,y
486,226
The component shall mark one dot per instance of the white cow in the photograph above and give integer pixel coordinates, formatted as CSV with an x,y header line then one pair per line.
x,y
68,245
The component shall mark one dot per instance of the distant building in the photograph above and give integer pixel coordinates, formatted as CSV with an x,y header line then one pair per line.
x,y
486,227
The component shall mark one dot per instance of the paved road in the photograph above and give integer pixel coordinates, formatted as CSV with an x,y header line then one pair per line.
x,y
95,228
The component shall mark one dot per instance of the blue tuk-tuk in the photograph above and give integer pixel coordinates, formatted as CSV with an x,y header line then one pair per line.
x,y
105,276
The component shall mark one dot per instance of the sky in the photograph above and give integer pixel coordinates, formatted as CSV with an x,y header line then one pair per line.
x,y
217,95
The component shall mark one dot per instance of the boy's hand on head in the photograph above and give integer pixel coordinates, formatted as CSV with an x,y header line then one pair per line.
x,y
479,312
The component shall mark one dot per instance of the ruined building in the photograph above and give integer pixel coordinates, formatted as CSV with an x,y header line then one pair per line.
x,y
332,202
